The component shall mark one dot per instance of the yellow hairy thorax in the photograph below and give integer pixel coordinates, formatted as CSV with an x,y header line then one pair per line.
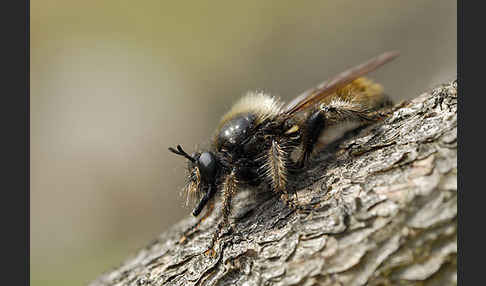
x,y
262,105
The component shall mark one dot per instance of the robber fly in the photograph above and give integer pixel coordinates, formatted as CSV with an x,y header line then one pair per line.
x,y
255,139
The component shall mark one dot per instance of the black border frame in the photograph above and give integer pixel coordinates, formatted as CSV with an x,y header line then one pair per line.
x,y
16,160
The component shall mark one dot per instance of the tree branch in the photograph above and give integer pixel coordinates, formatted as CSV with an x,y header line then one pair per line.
x,y
378,208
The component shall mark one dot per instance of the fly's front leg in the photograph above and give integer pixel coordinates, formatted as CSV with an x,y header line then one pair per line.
x,y
229,190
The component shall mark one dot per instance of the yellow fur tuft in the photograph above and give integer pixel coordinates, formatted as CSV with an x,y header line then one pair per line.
x,y
361,90
264,106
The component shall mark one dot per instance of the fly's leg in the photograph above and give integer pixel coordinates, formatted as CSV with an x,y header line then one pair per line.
x,y
275,169
335,112
313,126
229,190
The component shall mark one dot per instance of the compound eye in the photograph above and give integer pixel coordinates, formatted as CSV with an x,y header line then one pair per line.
x,y
207,166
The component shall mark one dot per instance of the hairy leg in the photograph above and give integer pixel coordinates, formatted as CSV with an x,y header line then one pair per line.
x,y
275,169
341,110
229,190
312,128
334,112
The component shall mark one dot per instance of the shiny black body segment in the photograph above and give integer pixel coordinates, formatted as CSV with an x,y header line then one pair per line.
x,y
241,146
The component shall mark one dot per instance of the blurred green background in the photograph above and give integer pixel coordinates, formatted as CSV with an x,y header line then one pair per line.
x,y
114,83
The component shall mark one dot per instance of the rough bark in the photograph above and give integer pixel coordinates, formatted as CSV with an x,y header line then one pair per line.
x,y
378,208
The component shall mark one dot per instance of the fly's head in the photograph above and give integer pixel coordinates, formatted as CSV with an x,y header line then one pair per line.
x,y
200,184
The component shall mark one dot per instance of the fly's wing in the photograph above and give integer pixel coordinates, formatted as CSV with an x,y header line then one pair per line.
x,y
315,95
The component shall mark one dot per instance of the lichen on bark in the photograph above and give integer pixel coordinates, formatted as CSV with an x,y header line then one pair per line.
x,y
378,208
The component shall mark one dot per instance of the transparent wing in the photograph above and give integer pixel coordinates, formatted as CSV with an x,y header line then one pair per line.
x,y
313,96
